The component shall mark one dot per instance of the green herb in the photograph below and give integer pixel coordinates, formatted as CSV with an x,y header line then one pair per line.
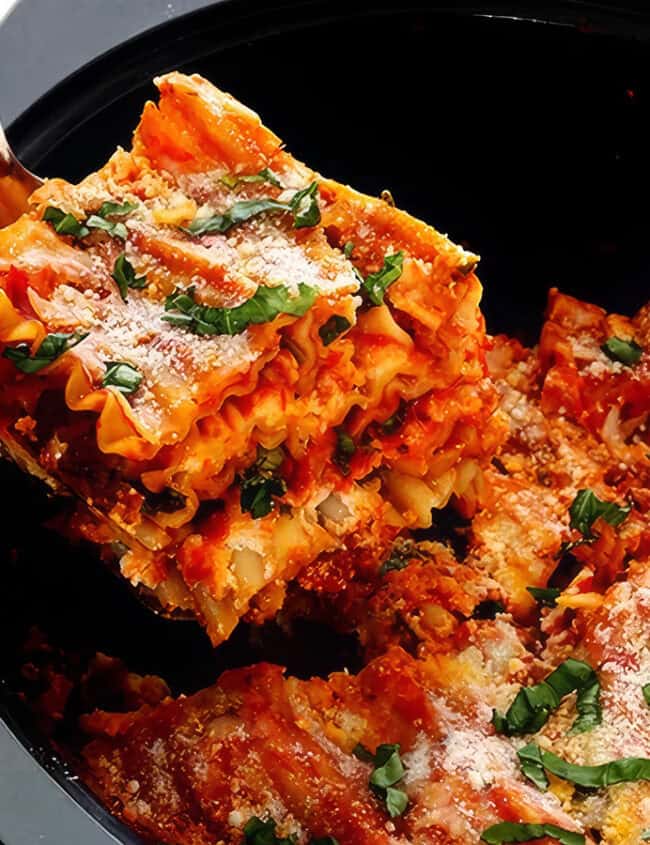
x,y
258,832
65,224
343,450
348,248
546,596
51,348
303,204
231,180
534,760
586,508
626,351
645,689
125,277
396,420
533,705
109,209
402,553
114,228
334,327
521,832
167,501
126,378
261,482
376,284
388,770
645,835
265,305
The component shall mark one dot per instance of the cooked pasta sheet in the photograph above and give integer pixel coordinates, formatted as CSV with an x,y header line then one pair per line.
x,y
236,364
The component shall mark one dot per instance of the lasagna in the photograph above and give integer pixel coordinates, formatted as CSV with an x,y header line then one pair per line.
x,y
505,695
267,391
236,366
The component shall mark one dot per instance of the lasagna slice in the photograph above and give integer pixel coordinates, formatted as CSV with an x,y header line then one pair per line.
x,y
235,364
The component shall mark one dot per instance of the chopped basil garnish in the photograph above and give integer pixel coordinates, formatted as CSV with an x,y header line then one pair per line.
x,y
376,284
65,224
586,508
125,277
645,835
265,305
343,451
125,377
488,609
645,689
535,760
303,205
546,596
401,555
232,180
167,501
387,772
396,420
626,351
522,832
334,327
261,482
533,705
51,348
348,248
258,832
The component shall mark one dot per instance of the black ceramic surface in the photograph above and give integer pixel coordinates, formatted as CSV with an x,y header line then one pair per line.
x,y
525,141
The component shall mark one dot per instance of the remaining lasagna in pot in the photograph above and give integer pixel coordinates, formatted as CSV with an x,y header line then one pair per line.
x,y
237,366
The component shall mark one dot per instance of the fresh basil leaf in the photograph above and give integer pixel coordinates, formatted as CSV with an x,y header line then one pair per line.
x,y
304,205
546,596
111,227
259,832
109,209
387,772
343,450
586,508
51,348
645,835
625,770
231,180
626,351
402,553
376,284
532,765
396,801
348,248
396,420
65,224
532,705
334,327
362,753
522,832
125,377
167,501
125,277
265,305
645,689
261,482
